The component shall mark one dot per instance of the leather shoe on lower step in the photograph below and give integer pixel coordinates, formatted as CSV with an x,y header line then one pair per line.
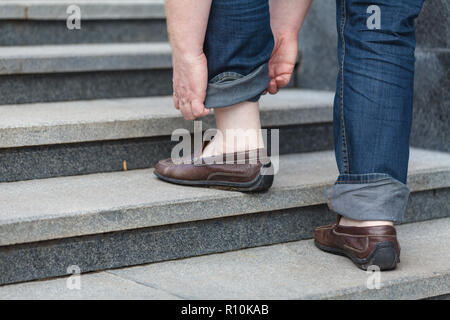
x,y
365,246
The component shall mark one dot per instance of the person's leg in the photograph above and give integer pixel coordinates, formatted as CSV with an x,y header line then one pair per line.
x,y
243,117
372,113
238,46
373,109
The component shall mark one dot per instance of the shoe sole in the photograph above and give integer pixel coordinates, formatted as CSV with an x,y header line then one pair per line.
x,y
260,184
384,256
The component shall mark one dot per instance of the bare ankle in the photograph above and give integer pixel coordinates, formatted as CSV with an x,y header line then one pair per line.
x,y
238,130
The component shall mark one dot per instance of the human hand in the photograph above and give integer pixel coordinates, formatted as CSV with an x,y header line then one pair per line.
x,y
286,20
282,62
190,80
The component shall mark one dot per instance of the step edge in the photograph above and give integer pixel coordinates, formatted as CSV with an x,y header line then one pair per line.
x,y
150,124
290,196
99,10
95,57
440,285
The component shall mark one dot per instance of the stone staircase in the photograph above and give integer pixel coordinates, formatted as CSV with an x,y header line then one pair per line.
x,y
85,116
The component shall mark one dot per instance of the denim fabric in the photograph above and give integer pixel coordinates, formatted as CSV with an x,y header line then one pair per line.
x,y
369,197
374,96
238,45
229,88
373,108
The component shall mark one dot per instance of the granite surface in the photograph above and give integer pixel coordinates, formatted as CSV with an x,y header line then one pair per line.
x,y
84,58
30,88
318,44
104,286
295,270
96,120
62,207
433,25
431,122
38,162
112,250
90,10
41,32
299,271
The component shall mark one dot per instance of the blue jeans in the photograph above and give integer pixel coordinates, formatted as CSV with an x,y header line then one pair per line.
x,y
238,45
374,95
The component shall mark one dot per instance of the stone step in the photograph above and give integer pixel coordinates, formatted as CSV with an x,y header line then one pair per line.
x,y
84,58
295,270
45,140
90,9
37,22
84,71
31,74
111,220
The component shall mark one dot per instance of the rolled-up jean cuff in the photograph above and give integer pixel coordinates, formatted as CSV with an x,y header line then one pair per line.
x,y
246,88
375,196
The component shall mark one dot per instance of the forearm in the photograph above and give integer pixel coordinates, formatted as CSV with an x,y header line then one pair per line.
x,y
186,23
287,16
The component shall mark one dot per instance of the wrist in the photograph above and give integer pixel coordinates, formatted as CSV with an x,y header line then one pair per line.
x,y
286,34
188,52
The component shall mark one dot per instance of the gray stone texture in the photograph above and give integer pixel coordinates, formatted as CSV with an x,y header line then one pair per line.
x,y
295,270
431,129
35,32
81,137
96,120
318,44
38,162
132,247
431,124
84,58
41,162
433,25
38,210
117,249
298,270
90,10
104,286
30,88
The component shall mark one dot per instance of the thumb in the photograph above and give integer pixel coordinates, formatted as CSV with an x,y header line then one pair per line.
x,y
198,108
283,80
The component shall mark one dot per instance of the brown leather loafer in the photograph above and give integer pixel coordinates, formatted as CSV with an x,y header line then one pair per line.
x,y
247,172
365,246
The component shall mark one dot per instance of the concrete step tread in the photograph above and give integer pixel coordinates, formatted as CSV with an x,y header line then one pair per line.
x,y
84,57
90,9
295,270
94,120
81,205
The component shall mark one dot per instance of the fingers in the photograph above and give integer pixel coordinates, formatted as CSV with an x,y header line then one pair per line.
x,y
198,108
193,110
272,88
279,82
186,110
283,80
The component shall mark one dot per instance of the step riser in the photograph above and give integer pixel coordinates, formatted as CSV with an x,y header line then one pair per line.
x,y
40,162
117,249
30,88
29,32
